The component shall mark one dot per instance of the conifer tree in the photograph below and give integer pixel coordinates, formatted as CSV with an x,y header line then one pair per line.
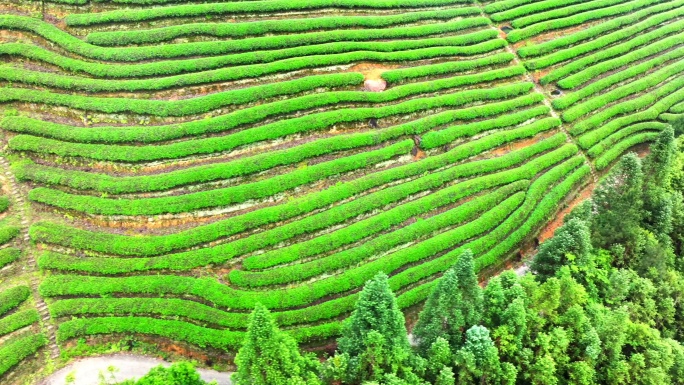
x,y
454,305
270,357
478,360
471,292
658,163
618,208
374,337
571,239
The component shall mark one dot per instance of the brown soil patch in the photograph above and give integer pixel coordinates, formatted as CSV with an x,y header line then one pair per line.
x,y
372,71
547,232
520,144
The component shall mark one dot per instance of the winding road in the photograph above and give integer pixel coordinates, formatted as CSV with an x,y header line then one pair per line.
x,y
87,371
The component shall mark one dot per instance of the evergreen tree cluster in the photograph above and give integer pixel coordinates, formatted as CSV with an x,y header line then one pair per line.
x,y
603,304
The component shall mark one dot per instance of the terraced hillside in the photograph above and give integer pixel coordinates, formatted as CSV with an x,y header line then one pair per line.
x,y
186,161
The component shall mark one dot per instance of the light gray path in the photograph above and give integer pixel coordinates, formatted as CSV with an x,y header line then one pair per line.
x,y
87,370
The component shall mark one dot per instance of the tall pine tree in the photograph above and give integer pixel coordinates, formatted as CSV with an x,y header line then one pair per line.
x,y
454,305
374,336
271,357
573,238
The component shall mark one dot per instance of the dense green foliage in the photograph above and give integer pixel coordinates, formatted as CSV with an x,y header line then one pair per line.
x,y
602,306
270,357
179,373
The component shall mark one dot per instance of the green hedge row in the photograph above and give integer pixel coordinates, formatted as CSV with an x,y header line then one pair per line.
x,y
499,15
237,96
366,228
210,289
406,299
520,34
402,74
263,27
222,253
189,309
609,156
9,255
535,193
298,295
12,297
4,203
18,320
158,307
176,330
436,138
247,7
503,5
659,50
599,52
60,234
606,26
381,222
635,87
543,212
14,351
564,9
8,232
181,331
241,66
209,145
207,103
609,142
295,45
20,75
27,170
147,134
658,102
219,197
599,119
382,243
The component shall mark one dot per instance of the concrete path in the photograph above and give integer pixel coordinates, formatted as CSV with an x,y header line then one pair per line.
x,y
87,370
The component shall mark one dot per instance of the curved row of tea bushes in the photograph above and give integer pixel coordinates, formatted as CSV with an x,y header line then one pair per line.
x,y
520,34
207,103
9,255
659,102
224,296
18,320
562,9
618,149
669,10
338,214
16,350
660,51
609,142
278,129
599,54
414,232
12,297
296,45
247,7
262,27
28,170
638,86
59,234
508,10
236,67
